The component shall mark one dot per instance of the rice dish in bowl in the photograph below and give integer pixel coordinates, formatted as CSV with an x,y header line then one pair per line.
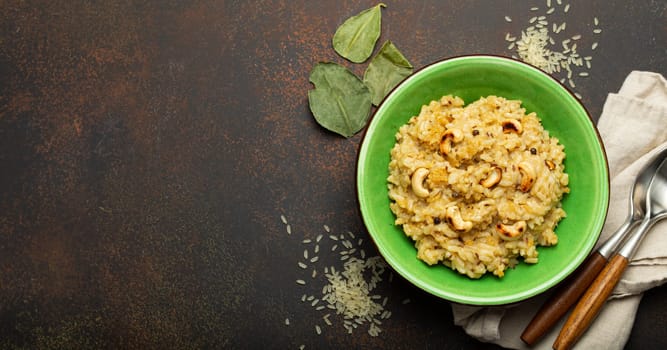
x,y
477,187
559,112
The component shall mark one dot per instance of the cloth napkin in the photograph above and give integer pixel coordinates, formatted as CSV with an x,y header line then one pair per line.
x,y
633,127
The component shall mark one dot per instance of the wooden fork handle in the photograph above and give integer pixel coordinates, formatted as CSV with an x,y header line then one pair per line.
x,y
590,304
563,298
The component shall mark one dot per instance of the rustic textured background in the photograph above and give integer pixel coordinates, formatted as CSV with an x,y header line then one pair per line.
x,y
148,150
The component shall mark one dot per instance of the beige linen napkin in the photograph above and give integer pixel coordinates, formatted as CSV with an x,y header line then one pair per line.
x,y
633,127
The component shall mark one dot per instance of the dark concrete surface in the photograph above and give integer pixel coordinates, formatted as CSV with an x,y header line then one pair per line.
x,y
148,150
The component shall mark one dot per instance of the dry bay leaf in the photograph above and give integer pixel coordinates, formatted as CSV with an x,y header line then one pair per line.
x,y
388,68
356,37
340,102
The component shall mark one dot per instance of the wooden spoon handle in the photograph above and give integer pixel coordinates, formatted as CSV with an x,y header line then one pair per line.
x,y
590,304
563,298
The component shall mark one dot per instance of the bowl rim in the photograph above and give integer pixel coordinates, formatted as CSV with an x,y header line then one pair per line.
x,y
483,301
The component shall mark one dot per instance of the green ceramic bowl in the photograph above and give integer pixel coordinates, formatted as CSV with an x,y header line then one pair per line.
x,y
472,77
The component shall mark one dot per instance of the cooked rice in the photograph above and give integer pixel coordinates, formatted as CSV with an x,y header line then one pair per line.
x,y
460,222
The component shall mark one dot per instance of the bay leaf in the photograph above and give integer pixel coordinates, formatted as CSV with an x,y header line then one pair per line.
x,y
356,37
340,102
388,68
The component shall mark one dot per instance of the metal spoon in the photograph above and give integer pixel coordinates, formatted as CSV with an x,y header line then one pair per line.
x,y
590,304
569,291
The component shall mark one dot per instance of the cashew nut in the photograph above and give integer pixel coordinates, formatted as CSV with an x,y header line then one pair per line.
x,y
528,176
455,221
493,178
510,232
550,164
512,125
450,136
418,178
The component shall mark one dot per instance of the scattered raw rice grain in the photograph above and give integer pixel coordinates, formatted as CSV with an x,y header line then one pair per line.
x,y
532,20
283,219
326,228
405,301
596,21
577,95
559,2
289,229
534,8
576,37
572,84
551,10
356,284
594,46
567,8
548,3
301,347
597,30
508,19
287,322
583,74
